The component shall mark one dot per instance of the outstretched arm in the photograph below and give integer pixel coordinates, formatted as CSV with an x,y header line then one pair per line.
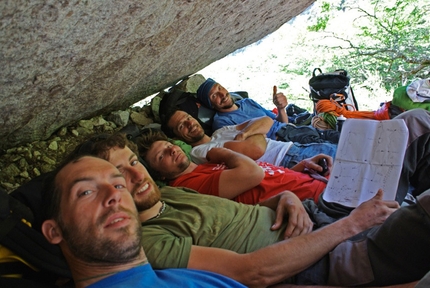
x,y
277,262
242,173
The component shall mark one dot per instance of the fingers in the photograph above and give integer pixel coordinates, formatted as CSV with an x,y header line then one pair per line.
x,y
279,218
298,225
379,194
275,90
374,211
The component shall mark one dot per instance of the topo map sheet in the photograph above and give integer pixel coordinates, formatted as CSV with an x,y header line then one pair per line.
x,y
369,156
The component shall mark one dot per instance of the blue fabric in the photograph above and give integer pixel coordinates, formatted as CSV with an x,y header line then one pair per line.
x,y
297,152
203,92
247,110
145,276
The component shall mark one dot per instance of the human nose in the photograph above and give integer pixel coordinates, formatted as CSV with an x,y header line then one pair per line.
x,y
135,176
112,196
172,150
188,123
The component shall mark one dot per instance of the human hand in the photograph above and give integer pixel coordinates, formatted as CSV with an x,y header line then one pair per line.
x,y
279,99
313,164
240,136
372,212
299,222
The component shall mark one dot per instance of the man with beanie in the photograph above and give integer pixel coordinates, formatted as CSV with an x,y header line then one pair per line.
x,y
212,95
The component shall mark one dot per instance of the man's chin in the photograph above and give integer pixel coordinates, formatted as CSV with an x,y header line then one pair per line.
x,y
145,205
226,107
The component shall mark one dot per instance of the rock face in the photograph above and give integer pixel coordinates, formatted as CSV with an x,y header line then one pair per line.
x,y
63,61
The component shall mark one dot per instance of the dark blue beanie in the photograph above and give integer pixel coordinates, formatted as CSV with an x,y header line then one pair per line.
x,y
203,92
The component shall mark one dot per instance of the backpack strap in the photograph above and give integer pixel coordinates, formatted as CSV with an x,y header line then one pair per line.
x,y
316,69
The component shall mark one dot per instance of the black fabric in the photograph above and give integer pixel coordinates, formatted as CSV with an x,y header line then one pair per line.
x,y
318,216
329,135
293,109
414,172
30,194
25,241
333,210
306,134
323,86
334,85
407,232
7,282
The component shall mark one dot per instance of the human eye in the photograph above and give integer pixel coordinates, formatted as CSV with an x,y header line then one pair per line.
x,y
85,193
134,162
119,186
160,157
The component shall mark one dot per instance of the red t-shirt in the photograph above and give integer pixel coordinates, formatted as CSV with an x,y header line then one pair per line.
x,y
205,180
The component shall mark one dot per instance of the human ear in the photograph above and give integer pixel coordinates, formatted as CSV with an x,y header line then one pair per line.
x,y
52,232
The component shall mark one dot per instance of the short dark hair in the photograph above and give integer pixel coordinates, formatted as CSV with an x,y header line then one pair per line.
x,y
164,123
144,143
100,145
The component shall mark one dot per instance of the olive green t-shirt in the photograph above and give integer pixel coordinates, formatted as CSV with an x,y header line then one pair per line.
x,y
191,218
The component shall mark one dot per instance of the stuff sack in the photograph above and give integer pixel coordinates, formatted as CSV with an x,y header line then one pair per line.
x,y
27,259
335,86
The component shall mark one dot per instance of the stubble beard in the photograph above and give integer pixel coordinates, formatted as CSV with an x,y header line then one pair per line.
x,y
228,105
89,246
151,200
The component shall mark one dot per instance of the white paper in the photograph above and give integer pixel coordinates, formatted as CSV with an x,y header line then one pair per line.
x,y
369,156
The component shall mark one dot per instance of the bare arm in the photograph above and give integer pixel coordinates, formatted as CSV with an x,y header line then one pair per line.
x,y
253,146
260,125
277,262
251,140
242,175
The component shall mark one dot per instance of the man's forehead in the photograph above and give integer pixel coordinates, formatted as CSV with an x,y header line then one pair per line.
x,y
177,118
180,115
214,87
81,167
160,144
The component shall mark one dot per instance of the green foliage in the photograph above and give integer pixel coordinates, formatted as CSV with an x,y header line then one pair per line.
x,y
321,20
391,39
283,85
